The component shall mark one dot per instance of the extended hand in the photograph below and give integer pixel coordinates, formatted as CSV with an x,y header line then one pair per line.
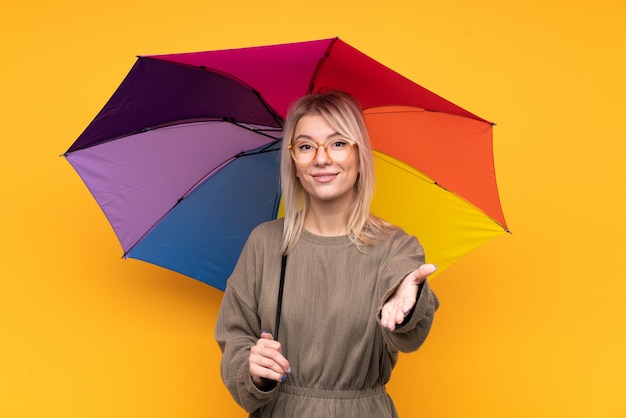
x,y
266,361
404,298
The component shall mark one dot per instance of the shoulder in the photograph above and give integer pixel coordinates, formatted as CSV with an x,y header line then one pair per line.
x,y
396,241
272,227
386,233
399,236
267,232
397,233
262,246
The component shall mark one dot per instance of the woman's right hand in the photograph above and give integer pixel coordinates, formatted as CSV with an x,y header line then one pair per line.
x,y
267,361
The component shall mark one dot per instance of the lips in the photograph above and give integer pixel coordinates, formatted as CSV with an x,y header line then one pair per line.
x,y
324,177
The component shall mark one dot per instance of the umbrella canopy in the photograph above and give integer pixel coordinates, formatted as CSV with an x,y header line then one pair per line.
x,y
184,157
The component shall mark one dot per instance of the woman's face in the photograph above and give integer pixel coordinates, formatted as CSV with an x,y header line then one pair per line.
x,y
322,178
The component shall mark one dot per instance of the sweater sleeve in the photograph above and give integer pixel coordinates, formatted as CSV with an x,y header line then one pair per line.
x,y
238,329
406,255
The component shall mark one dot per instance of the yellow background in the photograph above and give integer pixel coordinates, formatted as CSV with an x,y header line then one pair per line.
x,y
531,324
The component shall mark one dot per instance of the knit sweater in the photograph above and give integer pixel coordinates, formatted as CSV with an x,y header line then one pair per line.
x,y
340,356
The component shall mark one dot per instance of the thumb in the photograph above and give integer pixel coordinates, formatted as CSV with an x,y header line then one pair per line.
x,y
266,335
426,270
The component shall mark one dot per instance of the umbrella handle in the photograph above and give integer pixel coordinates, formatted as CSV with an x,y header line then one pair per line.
x,y
279,303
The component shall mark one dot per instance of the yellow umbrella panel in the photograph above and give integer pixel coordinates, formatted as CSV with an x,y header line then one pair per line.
x,y
447,226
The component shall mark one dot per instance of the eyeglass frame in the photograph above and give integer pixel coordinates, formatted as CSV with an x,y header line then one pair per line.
x,y
324,145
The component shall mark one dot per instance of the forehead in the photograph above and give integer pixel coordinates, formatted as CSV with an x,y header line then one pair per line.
x,y
314,126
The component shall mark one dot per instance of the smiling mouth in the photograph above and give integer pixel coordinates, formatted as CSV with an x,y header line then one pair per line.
x,y
324,178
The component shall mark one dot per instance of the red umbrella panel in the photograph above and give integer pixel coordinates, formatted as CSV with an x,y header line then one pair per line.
x,y
183,159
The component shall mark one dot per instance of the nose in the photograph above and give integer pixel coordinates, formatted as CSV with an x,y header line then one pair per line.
x,y
321,155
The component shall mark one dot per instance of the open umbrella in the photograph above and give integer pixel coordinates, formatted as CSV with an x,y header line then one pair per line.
x,y
183,158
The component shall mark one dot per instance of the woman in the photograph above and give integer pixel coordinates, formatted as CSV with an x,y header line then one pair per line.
x,y
355,289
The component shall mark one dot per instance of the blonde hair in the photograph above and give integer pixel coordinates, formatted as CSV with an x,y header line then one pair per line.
x,y
344,114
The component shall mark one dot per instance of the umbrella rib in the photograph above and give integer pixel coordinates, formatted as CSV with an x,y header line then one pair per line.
x,y
264,149
413,172
275,115
277,118
255,130
173,123
179,123
320,64
180,199
423,177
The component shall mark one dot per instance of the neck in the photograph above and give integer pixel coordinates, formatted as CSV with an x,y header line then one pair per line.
x,y
326,220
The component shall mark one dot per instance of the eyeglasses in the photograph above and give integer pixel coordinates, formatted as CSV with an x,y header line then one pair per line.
x,y
303,151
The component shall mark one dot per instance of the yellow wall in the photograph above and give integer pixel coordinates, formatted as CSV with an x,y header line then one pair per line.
x,y
531,324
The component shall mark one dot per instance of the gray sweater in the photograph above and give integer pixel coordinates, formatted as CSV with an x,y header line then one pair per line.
x,y
341,358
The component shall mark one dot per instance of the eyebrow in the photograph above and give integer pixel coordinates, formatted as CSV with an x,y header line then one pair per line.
x,y
303,136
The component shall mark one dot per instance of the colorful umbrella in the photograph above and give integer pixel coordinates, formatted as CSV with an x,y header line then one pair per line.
x,y
183,158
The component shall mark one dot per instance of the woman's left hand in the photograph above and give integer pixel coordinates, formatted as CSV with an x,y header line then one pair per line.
x,y
404,298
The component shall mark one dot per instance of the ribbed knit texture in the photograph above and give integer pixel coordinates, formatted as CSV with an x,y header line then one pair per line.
x,y
340,356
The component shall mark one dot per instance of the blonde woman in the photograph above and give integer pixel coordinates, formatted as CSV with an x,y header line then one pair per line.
x,y
349,290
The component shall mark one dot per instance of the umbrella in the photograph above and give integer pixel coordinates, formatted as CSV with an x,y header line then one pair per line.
x,y
183,158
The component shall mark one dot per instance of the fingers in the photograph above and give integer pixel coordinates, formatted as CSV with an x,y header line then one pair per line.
x,y
404,298
266,360
395,310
